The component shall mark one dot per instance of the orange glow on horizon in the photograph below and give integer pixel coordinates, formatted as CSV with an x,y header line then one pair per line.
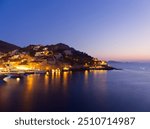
x,y
126,58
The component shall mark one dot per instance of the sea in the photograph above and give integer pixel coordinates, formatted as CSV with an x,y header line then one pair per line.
x,y
124,90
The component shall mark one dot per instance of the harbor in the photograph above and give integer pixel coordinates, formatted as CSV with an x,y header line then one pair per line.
x,y
20,74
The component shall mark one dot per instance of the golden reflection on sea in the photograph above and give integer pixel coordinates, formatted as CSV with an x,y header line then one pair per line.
x,y
86,76
97,79
46,82
30,83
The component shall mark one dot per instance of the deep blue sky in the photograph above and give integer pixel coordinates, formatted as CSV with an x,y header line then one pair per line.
x,y
107,29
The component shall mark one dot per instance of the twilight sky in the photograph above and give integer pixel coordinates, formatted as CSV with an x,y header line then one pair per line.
x,y
107,29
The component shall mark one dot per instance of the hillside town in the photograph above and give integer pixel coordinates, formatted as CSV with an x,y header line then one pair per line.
x,y
40,58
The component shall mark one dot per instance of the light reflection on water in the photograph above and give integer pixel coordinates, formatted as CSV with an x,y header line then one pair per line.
x,y
77,91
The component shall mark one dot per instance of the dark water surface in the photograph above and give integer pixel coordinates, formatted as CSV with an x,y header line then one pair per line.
x,y
117,90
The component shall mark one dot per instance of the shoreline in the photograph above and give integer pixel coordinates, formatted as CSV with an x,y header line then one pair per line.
x,y
54,70
17,74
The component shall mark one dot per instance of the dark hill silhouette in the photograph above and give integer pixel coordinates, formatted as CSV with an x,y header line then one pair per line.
x,y
6,47
59,55
76,57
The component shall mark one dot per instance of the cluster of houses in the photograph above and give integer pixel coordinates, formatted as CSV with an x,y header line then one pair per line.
x,y
22,60
42,59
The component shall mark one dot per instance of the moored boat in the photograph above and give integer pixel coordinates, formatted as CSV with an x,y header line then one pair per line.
x,y
2,76
15,75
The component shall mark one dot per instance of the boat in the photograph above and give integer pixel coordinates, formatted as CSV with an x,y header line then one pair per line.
x,y
2,77
15,75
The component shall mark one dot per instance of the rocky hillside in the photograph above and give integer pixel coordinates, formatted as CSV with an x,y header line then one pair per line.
x,y
6,47
60,52
47,57
58,55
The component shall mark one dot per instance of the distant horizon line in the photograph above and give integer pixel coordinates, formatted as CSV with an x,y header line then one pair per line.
x,y
129,61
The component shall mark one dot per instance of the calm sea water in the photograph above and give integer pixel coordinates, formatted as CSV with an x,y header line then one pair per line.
x,y
116,90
